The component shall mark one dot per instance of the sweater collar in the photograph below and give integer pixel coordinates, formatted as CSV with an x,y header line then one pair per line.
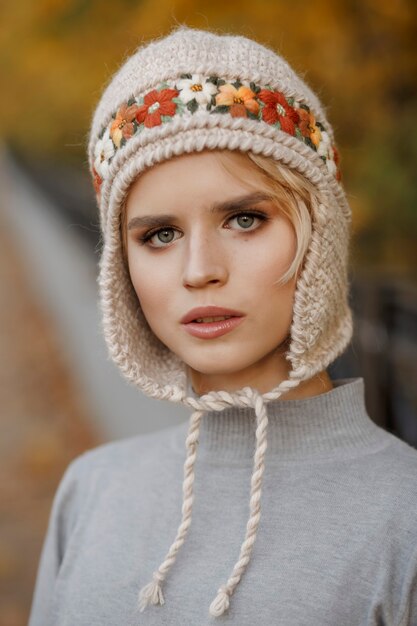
x,y
333,424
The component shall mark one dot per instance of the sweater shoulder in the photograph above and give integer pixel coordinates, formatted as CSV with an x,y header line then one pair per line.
x,y
392,474
124,454
400,457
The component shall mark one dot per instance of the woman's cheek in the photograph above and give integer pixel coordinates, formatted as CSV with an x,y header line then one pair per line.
x,y
153,284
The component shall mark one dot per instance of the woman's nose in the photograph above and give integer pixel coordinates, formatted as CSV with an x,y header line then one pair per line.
x,y
205,263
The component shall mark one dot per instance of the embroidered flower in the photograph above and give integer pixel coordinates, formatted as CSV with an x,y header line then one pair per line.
x,y
328,152
336,159
239,99
97,181
308,125
195,88
122,126
155,105
103,152
277,109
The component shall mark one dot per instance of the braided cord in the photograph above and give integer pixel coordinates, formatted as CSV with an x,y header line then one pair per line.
x,y
152,592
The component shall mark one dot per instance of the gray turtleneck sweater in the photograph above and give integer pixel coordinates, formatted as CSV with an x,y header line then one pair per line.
x,y
336,543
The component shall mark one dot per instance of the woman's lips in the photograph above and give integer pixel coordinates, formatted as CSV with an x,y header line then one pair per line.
x,y
209,328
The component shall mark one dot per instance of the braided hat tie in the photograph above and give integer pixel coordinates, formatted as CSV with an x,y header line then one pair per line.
x,y
249,397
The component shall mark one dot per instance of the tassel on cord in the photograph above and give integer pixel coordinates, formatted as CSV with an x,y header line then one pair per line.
x,y
152,592
221,602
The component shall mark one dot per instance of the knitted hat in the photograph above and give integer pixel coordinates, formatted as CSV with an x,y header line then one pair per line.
x,y
190,91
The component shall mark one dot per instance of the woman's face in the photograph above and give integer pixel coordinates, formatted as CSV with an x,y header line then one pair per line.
x,y
199,237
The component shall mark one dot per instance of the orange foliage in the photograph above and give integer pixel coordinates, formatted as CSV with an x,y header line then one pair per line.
x,y
57,55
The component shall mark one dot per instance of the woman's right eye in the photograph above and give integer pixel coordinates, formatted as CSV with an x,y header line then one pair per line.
x,y
160,238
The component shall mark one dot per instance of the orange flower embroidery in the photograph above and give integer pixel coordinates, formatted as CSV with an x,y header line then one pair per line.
x,y
97,181
122,126
239,100
308,127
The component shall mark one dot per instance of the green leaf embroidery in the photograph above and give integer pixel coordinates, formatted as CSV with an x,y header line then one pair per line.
x,y
180,105
222,108
308,141
192,105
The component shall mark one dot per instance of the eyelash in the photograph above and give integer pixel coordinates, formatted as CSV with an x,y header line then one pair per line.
x,y
260,215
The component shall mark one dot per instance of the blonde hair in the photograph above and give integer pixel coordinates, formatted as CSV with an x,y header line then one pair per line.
x,y
289,190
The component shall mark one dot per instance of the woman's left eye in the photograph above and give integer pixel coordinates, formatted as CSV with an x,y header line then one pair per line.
x,y
246,220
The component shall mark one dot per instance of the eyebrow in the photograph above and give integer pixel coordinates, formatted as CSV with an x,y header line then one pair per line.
x,y
241,202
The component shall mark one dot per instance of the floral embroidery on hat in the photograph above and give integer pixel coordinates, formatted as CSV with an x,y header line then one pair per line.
x,y
212,94
122,126
195,87
97,181
237,99
103,153
157,105
308,126
277,110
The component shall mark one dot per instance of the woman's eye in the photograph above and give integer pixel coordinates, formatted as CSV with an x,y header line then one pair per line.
x,y
161,238
246,220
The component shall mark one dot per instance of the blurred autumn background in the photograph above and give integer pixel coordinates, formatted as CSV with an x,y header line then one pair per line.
x,y
58,393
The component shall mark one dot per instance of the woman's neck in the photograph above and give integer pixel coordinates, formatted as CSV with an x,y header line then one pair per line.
x,y
262,381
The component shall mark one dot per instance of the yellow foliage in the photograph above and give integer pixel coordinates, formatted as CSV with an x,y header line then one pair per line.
x,y
57,55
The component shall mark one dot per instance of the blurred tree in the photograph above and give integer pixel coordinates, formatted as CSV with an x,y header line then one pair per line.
x,y
359,55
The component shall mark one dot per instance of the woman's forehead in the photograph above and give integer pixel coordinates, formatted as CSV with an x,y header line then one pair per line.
x,y
198,177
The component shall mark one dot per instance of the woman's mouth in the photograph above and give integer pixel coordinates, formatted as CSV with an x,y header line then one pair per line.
x,y
204,324
219,318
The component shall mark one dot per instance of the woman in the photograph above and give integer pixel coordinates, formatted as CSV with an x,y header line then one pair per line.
x,y
223,283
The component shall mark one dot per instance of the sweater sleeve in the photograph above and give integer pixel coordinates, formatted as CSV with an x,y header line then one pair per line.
x,y
409,595
61,521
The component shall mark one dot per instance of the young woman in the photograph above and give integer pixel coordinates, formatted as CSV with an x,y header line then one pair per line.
x,y
223,283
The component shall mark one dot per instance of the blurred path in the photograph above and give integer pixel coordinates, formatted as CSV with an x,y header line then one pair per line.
x,y
44,424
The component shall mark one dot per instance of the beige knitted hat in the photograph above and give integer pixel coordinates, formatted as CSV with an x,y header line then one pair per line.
x,y
189,91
